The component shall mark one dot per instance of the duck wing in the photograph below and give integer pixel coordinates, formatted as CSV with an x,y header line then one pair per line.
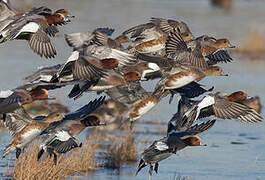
x,y
232,110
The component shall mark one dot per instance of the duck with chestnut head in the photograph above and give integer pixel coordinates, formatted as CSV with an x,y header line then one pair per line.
x,y
223,106
35,27
201,52
25,129
151,37
176,140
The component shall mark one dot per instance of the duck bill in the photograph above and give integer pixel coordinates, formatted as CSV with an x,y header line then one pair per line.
x,y
68,19
231,46
224,75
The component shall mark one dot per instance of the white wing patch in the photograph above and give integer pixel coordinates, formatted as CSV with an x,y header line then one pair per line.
x,y
30,27
46,78
153,67
73,57
63,135
207,101
161,146
5,94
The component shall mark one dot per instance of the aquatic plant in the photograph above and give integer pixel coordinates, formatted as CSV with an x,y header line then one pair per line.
x,y
122,151
79,161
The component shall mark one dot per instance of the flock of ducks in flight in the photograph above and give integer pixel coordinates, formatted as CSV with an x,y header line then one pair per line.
x,y
161,49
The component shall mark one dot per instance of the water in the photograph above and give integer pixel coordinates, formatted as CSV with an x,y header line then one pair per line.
x,y
235,150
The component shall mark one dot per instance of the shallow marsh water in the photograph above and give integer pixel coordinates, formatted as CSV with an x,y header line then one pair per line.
x,y
235,150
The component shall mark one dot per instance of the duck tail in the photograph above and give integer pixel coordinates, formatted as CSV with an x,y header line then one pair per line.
x,y
10,148
91,120
40,153
140,166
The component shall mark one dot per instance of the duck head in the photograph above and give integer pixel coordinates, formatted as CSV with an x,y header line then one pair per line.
x,y
41,94
214,71
223,43
193,141
60,17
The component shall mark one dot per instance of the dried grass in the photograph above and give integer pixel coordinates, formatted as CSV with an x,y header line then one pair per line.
x,y
253,45
2,124
78,161
122,151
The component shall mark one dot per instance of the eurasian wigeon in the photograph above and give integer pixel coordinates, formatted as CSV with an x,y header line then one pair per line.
x,y
44,108
24,129
43,74
59,137
143,104
20,96
151,37
143,67
197,51
6,14
137,100
176,75
180,76
82,40
174,142
98,56
103,39
27,93
107,81
223,106
6,10
35,26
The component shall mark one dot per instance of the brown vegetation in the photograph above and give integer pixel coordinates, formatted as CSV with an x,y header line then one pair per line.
x,y
78,161
122,151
